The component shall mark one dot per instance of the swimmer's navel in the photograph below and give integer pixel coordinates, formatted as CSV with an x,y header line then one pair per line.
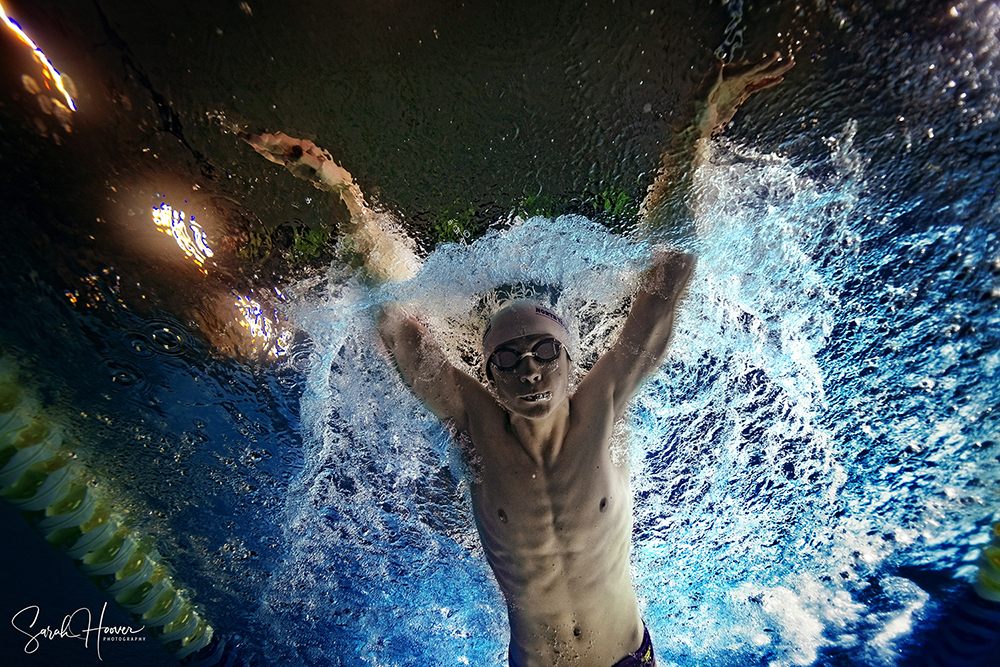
x,y
503,516
604,504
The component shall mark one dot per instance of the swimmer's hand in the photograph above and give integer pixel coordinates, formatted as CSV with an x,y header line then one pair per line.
x,y
730,85
310,163
303,158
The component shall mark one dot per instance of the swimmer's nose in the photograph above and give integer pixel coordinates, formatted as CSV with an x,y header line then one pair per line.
x,y
530,372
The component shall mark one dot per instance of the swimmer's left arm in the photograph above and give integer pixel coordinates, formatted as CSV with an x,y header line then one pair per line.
x,y
644,339
724,90
389,254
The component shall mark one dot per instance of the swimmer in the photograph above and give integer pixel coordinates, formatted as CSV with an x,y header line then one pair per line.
x,y
554,512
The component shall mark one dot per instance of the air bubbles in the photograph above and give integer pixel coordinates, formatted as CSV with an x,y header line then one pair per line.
x,y
167,337
138,344
302,358
160,336
288,381
255,456
30,84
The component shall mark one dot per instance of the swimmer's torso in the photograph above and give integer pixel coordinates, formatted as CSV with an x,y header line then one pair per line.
x,y
557,536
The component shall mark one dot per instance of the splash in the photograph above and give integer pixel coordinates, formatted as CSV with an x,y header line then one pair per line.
x,y
816,455
818,430
767,453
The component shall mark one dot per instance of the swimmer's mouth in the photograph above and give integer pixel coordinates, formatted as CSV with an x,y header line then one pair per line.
x,y
533,398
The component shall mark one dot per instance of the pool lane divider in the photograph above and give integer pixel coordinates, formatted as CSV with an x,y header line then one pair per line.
x,y
40,477
987,584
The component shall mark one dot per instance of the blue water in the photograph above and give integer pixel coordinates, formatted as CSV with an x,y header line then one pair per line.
x,y
820,429
814,464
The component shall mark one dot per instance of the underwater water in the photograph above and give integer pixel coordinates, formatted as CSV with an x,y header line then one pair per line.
x,y
795,467
815,464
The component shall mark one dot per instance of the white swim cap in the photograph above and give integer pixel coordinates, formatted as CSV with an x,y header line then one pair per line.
x,y
522,318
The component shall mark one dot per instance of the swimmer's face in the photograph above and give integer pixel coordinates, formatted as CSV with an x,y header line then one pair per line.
x,y
532,387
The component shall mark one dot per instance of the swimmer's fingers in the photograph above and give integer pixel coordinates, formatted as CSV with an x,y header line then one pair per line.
x,y
761,84
301,156
772,67
781,66
770,73
745,80
735,83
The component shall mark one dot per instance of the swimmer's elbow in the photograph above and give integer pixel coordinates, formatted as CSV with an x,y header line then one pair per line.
x,y
386,325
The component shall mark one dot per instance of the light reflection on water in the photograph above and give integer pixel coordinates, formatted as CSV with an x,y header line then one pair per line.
x,y
188,234
52,76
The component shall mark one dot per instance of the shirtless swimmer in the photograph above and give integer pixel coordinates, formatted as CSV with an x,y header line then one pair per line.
x,y
554,513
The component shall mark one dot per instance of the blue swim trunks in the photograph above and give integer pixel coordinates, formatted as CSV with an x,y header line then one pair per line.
x,y
643,656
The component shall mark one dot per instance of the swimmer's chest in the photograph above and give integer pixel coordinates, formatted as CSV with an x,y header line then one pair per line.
x,y
580,494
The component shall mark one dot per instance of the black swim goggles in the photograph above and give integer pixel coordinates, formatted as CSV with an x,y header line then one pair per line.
x,y
545,350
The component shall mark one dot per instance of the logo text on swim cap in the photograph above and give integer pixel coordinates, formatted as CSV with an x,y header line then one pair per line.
x,y
549,314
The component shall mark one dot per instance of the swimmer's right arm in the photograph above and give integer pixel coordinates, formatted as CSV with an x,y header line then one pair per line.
x,y
436,381
389,254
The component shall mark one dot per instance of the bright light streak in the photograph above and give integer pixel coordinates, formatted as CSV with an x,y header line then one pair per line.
x,y
50,70
259,325
254,319
281,345
190,237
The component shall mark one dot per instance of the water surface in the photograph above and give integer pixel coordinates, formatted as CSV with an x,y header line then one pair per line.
x,y
814,464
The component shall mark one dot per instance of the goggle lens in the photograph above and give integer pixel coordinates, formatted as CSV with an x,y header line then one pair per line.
x,y
546,350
